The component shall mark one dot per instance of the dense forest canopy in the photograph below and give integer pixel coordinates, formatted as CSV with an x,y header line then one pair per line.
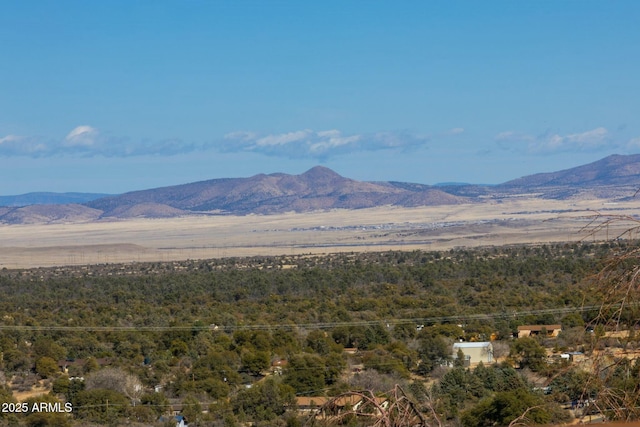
x,y
212,332
303,289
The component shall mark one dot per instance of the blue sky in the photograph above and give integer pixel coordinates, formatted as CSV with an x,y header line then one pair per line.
x,y
113,96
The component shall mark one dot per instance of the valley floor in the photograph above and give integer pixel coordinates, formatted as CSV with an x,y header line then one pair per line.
x,y
511,221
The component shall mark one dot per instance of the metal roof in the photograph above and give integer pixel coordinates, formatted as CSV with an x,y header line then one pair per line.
x,y
471,344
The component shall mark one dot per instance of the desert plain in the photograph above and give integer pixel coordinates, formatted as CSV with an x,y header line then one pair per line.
x,y
490,223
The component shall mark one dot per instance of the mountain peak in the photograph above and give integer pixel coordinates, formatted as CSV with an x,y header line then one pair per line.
x,y
321,172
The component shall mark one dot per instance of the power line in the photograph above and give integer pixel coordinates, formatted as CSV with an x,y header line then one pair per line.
x,y
317,325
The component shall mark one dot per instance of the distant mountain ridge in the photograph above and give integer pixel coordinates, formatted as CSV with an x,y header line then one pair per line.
x,y
615,176
318,188
48,198
612,170
321,188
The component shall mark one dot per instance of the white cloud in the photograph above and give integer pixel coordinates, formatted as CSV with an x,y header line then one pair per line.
x,y
88,141
16,145
634,144
81,135
283,139
593,137
329,133
8,139
589,140
456,131
321,144
333,141
549,143
241,136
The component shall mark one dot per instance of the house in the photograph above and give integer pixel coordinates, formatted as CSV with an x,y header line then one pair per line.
x,y
533,330
79,365
277,366
308,404
359,403
474,352
350,350
175,406
180,420
573,356
338,404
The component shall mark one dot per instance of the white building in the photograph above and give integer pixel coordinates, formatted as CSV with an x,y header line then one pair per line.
x,y
474,352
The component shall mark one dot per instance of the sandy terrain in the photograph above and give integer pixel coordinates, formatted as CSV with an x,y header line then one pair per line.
x,y
518,220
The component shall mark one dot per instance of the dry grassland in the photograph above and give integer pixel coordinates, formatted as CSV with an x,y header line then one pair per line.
x,y
513,221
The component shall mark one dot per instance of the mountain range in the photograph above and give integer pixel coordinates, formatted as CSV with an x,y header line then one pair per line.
x,y
320,188
43,198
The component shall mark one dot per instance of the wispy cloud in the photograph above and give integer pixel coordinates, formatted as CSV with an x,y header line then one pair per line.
x,y
553,142
81,136
634,144
88,141
319,144
16,145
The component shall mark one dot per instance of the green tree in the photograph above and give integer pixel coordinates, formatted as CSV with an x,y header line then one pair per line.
x,y
142,414
179,348
15,360
223,365
254,362
45,419
572,320
6,396
91,365
46,347
433,351
285,342
528,353
457,387
46,367
504,407
215,388
56,418
459,360
404,331
335,365
67,387
319,342
384,362
305,373
574,384
100,405
265,401
192,410
157,402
